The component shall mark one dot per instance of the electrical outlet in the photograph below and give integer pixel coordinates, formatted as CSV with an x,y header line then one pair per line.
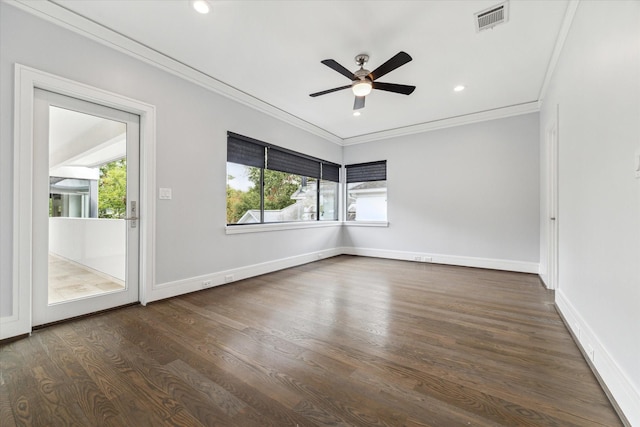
x,y
427,259
228,278
590,352
206,283
417,258
576,329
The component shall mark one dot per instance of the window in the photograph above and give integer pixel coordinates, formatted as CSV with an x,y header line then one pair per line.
x,y
267,184
367,191
99,192
69,197
329,192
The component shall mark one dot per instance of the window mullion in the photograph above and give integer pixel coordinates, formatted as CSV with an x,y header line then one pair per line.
x,y
266,165
261,196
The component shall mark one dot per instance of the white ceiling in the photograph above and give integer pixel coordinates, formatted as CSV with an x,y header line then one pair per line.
x,y
79,139
271,51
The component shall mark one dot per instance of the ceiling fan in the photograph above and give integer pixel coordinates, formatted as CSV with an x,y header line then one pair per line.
x,y
363,81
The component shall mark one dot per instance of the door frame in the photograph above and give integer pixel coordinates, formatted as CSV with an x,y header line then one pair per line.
x,y
26,79
552,211
42,311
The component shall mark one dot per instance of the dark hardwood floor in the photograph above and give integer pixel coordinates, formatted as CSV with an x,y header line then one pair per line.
x,y
345,341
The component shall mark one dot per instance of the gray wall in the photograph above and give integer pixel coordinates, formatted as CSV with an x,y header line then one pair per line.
x,y
596,87
467,191
191,152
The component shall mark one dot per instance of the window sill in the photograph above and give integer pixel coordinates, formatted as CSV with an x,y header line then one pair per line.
x,y
366,223
259,228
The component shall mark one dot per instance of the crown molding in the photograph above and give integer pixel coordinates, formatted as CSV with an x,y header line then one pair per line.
x,y
49,11
562,37
57,14
482,116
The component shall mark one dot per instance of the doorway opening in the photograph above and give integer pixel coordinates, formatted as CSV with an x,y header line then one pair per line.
x,y
30,254
86,183
86,175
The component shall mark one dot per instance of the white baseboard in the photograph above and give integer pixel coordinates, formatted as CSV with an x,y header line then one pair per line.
x,y
625,394
545,279
192,284
490,263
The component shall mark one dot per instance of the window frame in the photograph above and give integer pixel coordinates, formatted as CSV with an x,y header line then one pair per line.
x,y
375,171
246,151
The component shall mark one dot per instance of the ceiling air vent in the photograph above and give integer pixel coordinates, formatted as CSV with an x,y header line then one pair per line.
x,y
493,16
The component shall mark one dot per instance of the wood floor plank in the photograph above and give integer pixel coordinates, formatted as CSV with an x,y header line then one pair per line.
x,y
207,372
116,375
99,395
346,341
254,385
6,413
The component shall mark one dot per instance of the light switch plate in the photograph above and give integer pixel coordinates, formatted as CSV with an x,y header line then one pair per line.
x,y
164,194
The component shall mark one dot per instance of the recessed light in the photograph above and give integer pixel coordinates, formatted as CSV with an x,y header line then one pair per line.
x,y
458,88
356,113
201,6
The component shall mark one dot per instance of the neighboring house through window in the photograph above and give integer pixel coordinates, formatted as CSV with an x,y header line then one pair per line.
x,y
367,191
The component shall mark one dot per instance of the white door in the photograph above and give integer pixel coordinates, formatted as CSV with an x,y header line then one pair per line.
x,y
552,203
85,207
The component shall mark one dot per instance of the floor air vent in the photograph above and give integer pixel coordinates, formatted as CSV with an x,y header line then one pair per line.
x,y
493,16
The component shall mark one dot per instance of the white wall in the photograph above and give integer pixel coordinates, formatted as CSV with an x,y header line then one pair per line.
x,y
96,243
596,87
465,195
190,155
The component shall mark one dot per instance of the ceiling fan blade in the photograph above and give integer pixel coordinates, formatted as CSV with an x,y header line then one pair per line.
x,y
339,68
358,103
398,60
324,92
393,87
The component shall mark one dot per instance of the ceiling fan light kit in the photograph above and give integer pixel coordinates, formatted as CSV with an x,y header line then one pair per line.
x,y
364,81
362,88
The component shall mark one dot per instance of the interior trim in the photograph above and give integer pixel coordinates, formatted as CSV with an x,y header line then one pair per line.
x,y
276,226
192,284
26,79
562,37
614,379
482,116
57,14
457,260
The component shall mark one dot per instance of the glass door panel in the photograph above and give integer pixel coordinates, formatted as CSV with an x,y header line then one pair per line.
x,y
85,259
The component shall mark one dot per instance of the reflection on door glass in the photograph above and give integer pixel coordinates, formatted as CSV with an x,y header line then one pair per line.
x,y
87,204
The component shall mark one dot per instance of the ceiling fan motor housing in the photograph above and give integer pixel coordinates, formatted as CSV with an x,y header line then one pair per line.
x,y
362,74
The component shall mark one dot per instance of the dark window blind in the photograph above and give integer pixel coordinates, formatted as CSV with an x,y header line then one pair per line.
x,y
365,172
330,172
243,151
284,161
251,152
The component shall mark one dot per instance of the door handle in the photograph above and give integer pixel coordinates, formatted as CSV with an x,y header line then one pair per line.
x,y
553,218
134,215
